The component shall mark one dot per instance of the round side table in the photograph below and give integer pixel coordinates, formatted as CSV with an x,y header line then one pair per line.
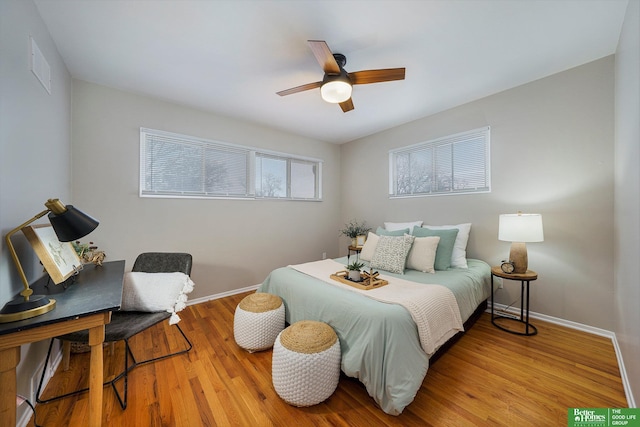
x,y
525,279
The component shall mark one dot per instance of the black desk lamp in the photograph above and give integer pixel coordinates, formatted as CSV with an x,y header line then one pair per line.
x,y
69,224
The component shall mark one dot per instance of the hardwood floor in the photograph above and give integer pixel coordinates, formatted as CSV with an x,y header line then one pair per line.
x,y
488,378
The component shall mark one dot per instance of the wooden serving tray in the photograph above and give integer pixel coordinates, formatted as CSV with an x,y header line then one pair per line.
x,y
367,283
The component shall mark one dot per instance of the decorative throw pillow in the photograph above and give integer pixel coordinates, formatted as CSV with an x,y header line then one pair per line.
x,y
394,226
369,247
400,232
391,253
155,292
459,255
423,254
445,246
372,241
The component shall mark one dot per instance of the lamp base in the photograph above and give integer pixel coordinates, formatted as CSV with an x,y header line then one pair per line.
x,y
518,256
21,309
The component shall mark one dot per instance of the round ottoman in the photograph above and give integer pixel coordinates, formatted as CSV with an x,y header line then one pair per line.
x,y
258,320
306,363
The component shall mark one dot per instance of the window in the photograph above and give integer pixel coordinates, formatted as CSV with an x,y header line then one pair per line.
x,y
451,165
173,165
285,177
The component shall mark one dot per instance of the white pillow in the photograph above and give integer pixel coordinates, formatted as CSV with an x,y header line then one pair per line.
x,y
155,292
369,247
459,255
394,226
423,254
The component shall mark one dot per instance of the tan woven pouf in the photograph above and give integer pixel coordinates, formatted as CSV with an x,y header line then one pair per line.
x,y
306,363
258,320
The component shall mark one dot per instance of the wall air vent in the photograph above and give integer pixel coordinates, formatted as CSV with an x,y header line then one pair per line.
x,y
40,66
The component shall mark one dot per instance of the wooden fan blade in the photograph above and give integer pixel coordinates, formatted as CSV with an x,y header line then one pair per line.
x,y
347,105
376,76
324,56
301,88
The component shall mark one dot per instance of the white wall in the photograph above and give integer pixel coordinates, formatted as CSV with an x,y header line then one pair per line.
x,y
35,149
627,195
551,153
234,243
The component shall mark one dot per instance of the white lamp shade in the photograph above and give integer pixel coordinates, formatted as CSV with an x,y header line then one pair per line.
x,y
520,228
336,91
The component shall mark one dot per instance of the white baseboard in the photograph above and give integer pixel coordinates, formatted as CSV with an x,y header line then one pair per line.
x,y
584,328
223,294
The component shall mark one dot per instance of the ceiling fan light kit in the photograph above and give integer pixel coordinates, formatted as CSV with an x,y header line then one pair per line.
x,y
336,89
337,85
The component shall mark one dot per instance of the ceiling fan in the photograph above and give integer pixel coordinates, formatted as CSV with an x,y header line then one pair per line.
x,y
336,86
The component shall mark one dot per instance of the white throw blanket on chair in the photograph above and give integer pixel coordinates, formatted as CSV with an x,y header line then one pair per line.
x,y
155,292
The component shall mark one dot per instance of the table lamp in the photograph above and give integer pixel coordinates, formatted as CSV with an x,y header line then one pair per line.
x,y
520,229
69,224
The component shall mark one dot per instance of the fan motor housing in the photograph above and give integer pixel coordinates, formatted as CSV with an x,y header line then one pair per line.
x,y
340,59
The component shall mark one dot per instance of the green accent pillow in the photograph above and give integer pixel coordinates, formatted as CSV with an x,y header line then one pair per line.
x,y
445,246
382,232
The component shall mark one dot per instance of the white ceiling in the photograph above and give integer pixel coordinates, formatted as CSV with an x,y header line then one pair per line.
x,y
230,57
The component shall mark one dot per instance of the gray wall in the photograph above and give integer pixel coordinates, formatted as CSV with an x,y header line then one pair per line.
x,y
35,149
627,195
551,153
234,243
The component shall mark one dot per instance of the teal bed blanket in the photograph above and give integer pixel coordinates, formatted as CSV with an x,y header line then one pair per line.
x,y
379,342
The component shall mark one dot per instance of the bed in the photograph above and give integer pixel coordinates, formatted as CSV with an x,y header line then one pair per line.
x,y
380,342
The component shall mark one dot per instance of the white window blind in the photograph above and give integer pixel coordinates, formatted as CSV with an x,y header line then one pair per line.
x,y
173,165
450,165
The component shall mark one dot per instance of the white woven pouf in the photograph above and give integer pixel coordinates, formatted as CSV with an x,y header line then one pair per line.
x,y
258,320
306,363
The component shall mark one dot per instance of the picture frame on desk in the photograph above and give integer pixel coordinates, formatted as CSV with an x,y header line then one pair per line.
x,y
360,240
59,259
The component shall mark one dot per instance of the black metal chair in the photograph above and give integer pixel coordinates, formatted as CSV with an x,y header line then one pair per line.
x,y
125,324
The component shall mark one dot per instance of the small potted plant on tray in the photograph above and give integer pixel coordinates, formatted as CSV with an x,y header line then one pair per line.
x,y
354,270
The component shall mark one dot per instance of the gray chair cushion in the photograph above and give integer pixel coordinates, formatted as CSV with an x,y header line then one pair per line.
x,y
124,325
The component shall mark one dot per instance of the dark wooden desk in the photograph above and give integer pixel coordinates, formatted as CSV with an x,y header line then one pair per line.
x,y
86,303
